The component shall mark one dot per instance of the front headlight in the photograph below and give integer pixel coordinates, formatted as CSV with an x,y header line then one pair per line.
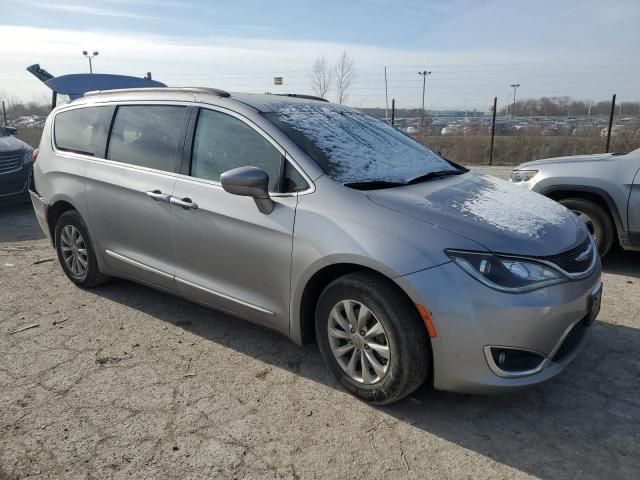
x,y
518,176
509,274
26,157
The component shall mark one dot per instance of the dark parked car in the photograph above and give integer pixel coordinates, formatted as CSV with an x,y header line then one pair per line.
x,y
15,167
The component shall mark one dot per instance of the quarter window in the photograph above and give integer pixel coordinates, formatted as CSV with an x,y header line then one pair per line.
x,y
83,130
147,135
223,142
294,181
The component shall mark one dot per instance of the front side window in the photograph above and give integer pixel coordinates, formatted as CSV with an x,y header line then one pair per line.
x,y
83,130
223,142
147,135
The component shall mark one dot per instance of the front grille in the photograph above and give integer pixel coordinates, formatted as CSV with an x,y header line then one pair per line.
x,y
572,340
10,161
567,260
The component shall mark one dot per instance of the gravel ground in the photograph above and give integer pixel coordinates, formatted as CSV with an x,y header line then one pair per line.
x,y
126,382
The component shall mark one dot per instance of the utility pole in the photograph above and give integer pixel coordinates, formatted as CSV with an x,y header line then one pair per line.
x,y
4,113
423,74
94,54
393,112
613,109
493,128
386,97
513,110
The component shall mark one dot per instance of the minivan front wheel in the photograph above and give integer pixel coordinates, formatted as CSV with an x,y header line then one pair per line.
x,y
372,338
75,251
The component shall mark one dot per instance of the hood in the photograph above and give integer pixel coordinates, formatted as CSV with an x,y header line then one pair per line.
x,y
570,159
498,215
11,144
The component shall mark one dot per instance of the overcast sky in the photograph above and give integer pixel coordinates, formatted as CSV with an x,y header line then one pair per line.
x,y
475,49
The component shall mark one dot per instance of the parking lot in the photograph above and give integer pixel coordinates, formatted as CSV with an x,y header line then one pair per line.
x,y
123,381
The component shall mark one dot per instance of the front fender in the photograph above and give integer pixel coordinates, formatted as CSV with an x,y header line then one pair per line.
x,y
345,227
549,186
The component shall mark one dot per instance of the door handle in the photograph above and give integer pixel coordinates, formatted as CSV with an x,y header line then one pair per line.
x,y
185,203
158,196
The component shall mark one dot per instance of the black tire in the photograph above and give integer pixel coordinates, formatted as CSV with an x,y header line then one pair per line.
x,y
600,226
91,277
409,345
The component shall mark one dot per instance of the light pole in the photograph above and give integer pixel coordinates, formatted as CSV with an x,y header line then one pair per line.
x,y
424,85
95,54
513,110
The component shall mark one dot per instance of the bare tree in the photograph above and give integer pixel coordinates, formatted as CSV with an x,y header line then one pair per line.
x,y
344,73
321,77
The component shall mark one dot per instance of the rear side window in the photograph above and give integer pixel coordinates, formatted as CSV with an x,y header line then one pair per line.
x,y
223,142
147,135
83,130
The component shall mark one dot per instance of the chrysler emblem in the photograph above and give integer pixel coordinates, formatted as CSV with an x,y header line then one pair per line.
x,y
584,255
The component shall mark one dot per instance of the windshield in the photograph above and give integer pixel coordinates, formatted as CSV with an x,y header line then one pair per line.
x,y
352,147
3,132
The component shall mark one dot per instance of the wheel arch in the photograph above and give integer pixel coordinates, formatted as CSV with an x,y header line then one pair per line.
x,y
53,213
594,194
314,287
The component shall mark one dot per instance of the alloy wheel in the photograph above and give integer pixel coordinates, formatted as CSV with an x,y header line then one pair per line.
x,y
74,251
358,342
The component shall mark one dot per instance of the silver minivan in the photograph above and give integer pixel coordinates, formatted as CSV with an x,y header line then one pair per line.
x,y
324,224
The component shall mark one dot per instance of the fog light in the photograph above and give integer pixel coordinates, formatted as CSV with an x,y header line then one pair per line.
x,y
513,360
502,357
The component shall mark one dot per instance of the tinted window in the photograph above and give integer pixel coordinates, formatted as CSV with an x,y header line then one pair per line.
x,y
223,142
83,130
147,135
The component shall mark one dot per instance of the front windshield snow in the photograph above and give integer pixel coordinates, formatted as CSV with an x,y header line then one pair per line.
x,y
352,147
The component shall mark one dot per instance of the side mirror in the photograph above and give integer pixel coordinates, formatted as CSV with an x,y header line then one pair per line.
x,y
249,182
11,130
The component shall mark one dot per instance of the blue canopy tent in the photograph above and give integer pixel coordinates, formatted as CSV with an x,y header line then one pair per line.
x,y
75,85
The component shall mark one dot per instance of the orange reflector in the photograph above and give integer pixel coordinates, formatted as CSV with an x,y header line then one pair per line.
x,y
426,318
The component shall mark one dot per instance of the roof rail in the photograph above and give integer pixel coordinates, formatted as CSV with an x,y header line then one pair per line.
x,y
300,95
215,91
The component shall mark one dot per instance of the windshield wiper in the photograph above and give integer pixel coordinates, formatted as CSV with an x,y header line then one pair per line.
x,y
380,184
431,175
374,185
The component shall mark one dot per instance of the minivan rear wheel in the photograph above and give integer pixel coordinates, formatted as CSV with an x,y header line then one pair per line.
x,y
75,251
372,338
596,219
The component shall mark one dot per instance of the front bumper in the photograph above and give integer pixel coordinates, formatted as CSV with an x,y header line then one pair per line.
x,y
40,207
14,185
469,317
